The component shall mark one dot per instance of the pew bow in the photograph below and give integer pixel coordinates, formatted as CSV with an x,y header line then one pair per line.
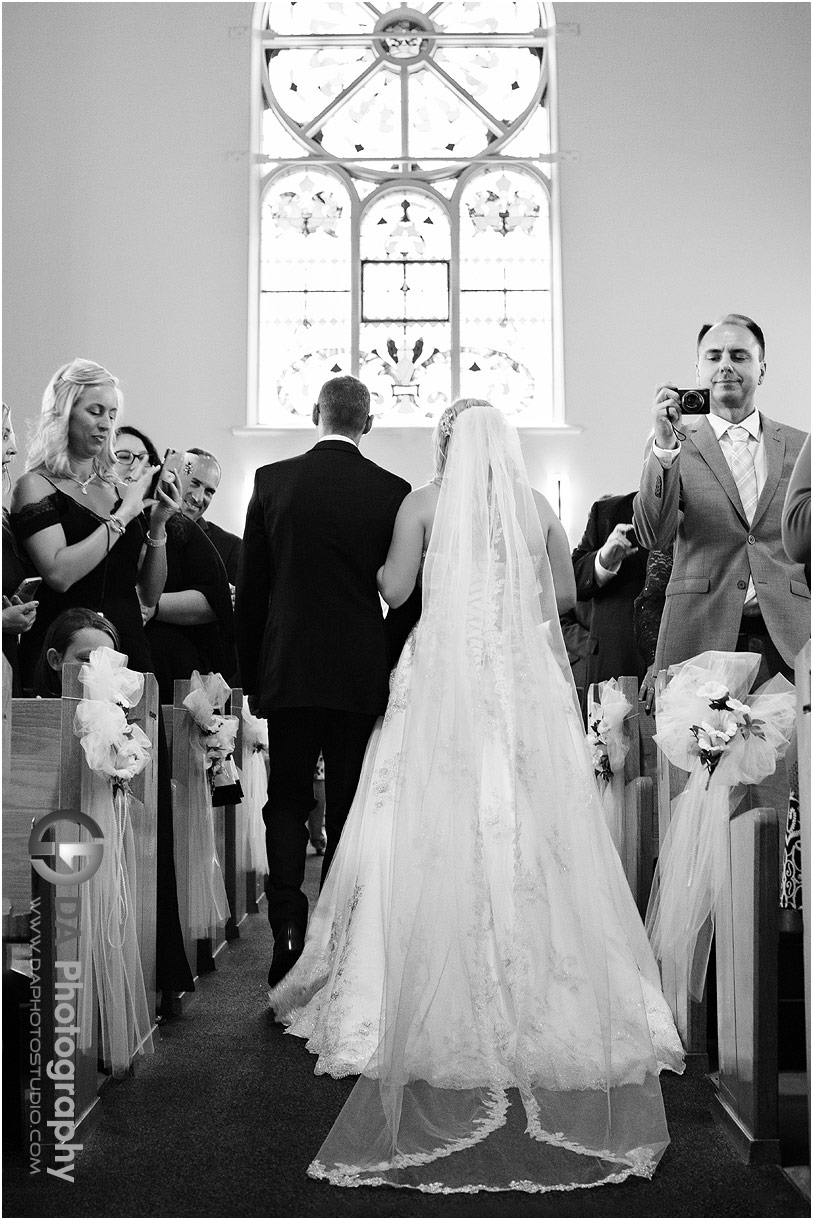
x,y
707,724
210,734
255,777
609,746
116,751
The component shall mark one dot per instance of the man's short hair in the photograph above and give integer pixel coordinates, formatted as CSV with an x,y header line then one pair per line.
x,y
344,404
204,453
739,319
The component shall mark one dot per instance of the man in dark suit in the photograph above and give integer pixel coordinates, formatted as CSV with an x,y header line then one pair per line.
x,y
312,645
200,474
610,569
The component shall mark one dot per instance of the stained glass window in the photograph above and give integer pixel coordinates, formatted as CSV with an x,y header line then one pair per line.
x,y
406,219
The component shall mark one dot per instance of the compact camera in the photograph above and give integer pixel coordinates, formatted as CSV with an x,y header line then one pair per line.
x,y
171,460
694,402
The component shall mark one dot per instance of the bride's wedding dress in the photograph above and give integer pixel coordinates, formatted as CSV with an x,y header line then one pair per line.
x,y
475,953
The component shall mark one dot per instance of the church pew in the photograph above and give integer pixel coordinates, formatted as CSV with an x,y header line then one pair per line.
x,y
639,802
200,952
235,874
44,774
746,1087
637,854
689,1013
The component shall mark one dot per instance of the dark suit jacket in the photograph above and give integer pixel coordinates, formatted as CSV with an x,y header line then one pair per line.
x,y
227,546
310,629
611,648
696,503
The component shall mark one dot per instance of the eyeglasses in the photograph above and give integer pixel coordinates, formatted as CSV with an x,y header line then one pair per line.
x,y
126,458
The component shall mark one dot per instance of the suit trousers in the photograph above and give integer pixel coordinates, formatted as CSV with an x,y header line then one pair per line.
x,y
296,736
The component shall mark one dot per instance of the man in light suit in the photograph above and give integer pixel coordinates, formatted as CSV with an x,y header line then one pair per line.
x,y
719,496
312,643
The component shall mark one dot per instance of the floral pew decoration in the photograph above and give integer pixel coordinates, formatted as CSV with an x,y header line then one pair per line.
x,y
116,751
255,776
213,781
706,727
609,746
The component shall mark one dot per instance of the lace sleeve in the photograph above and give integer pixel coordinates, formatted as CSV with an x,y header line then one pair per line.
x,y
32,518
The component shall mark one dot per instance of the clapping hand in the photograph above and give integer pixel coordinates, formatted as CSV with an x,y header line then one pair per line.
x,y
618,547
18,616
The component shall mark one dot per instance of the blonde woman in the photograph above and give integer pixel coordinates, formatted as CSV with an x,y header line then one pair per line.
x,y
85,533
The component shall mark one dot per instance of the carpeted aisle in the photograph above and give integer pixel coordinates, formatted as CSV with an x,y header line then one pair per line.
x,y
224,1118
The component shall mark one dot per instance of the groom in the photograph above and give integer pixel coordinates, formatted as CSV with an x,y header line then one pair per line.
x,y
311,639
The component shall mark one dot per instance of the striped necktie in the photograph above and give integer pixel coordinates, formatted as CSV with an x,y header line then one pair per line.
x,y
743,469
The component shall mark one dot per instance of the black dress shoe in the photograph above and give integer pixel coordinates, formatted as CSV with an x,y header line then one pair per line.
x,y
288,945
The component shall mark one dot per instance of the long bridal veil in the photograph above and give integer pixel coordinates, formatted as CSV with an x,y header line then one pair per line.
x,y
515,1045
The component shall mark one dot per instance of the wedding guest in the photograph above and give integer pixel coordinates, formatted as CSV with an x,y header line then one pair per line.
x,y
200,475
89,538
796,513
647,611
190,627
85,533
609,567
717,491
18,615
72,636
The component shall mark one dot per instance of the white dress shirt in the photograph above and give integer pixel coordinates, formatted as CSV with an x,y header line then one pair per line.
x,y
756,446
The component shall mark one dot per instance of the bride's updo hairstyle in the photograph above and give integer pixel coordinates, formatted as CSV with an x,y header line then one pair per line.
x,y
444,426
48,446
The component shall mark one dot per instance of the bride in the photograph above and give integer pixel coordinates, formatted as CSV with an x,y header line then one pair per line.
x,y
475,954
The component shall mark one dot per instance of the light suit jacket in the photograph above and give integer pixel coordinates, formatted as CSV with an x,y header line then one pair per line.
x,y
696,503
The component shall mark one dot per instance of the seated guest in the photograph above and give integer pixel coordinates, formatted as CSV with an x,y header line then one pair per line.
x,y
191,625
609,567
72,636
200,477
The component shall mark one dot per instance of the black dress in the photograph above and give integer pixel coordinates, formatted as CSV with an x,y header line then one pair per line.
x,y
15,569
193,562
111,589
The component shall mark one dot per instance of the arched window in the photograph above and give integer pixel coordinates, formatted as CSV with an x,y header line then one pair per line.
x,y
406,218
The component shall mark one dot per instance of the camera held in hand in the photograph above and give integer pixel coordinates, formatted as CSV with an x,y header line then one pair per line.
x,y
695,402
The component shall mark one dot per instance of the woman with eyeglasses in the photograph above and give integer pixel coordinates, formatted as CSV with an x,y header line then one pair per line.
x,y
86,532
191,626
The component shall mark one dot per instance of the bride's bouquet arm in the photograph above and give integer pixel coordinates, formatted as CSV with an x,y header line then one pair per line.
x,y
558,548
397,575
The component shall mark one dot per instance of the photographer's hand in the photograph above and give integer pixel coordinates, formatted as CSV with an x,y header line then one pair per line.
x,y
666,416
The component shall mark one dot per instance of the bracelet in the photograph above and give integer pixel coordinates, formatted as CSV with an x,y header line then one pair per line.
x,y
117,523
150,541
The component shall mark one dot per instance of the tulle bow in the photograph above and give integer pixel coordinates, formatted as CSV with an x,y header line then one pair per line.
x,y
255,779
115,752
710,726
609,746
212,738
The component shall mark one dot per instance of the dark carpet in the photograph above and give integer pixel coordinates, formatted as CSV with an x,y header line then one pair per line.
x,y
224,1118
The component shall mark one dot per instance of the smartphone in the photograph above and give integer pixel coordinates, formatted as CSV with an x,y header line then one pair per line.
x,y
27,589
171,458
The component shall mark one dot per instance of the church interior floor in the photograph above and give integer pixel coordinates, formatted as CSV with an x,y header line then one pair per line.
x,y
224,1118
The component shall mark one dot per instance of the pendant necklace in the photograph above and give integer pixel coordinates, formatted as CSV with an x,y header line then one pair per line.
x,y
83,483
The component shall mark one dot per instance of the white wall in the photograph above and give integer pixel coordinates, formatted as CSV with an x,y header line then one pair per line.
x,y
126,219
